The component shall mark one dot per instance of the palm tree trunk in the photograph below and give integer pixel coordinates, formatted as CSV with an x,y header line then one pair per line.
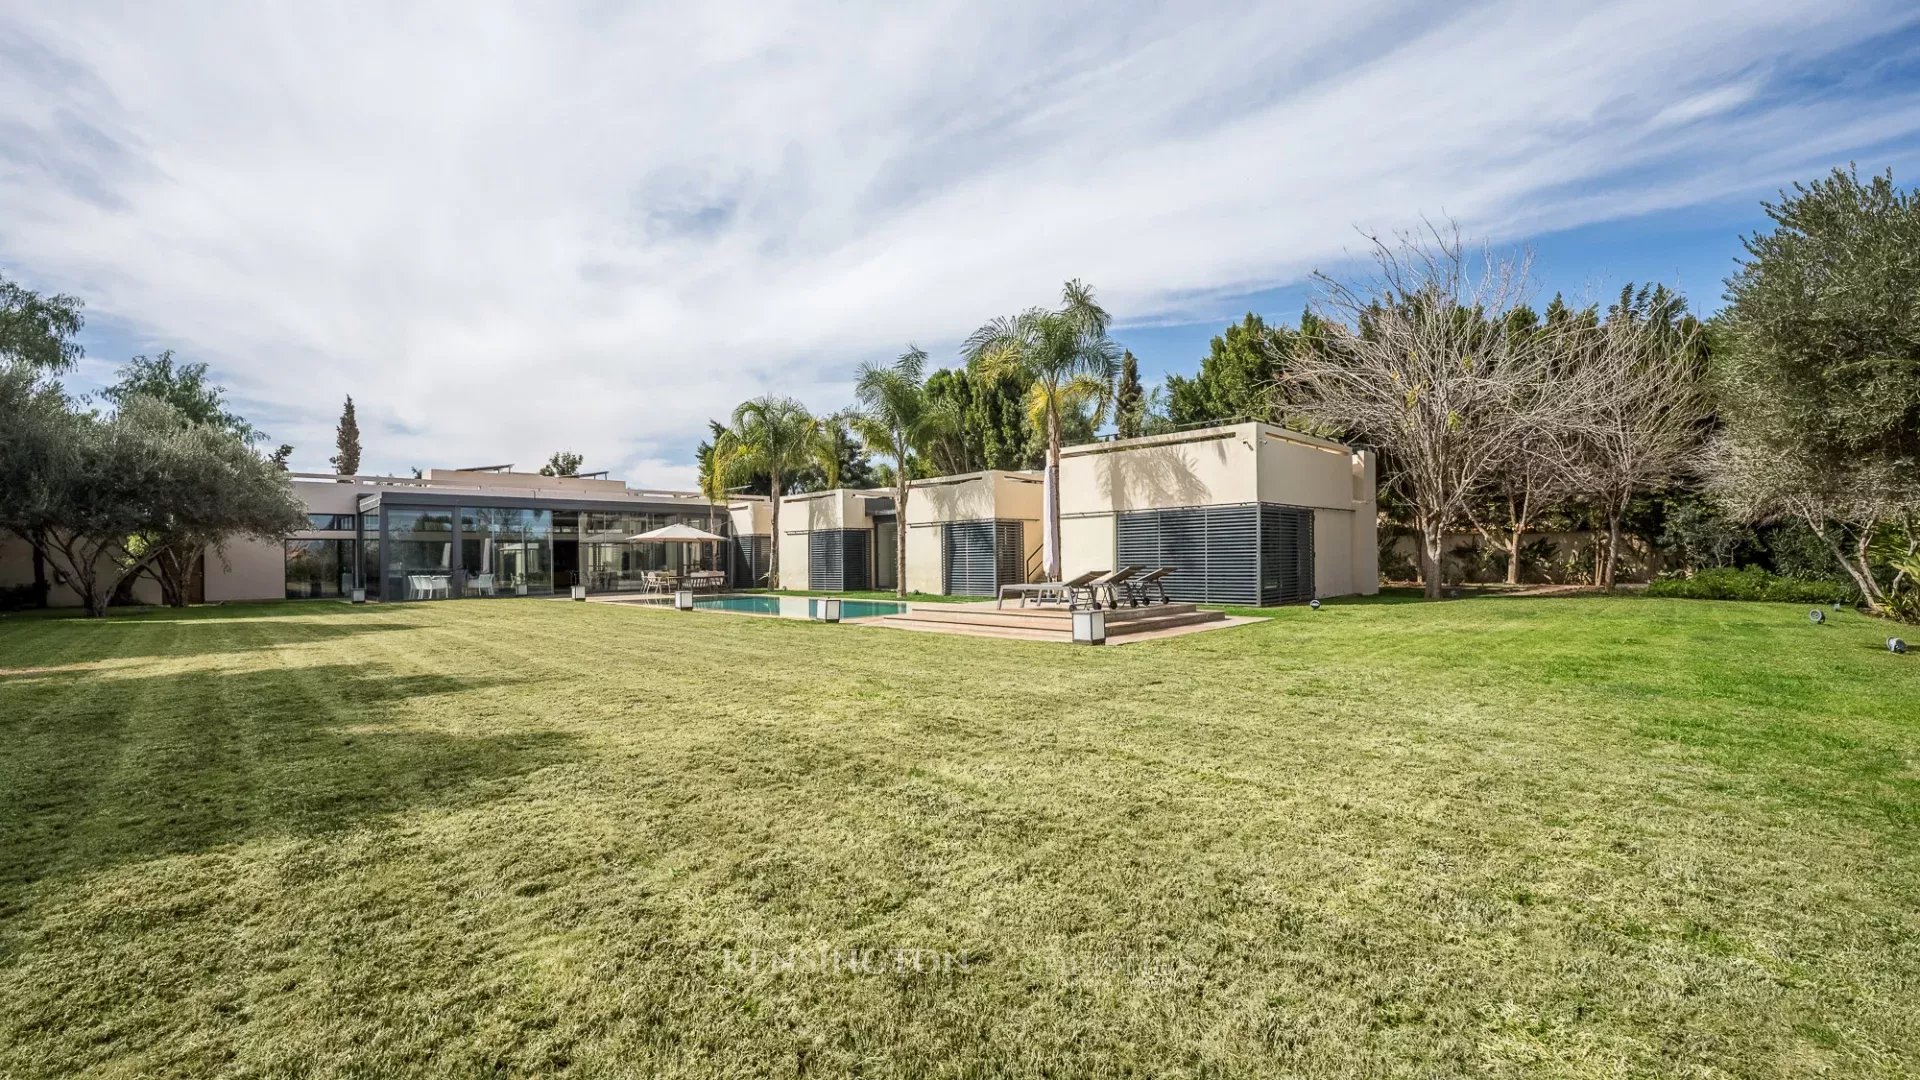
x,y
900,544
1052,538
773,555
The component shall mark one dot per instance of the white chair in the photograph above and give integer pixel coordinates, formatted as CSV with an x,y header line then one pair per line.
x,y
482,584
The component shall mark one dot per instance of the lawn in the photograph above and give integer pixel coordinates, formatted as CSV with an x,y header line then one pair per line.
x,y
1494,837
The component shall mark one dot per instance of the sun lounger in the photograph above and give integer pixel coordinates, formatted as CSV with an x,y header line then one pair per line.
x,y
1144,590
1045,591
1105,583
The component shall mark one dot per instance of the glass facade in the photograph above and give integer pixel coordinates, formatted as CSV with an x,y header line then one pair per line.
x,y
330,522
441,552
319,568
610,562
506,551
419,553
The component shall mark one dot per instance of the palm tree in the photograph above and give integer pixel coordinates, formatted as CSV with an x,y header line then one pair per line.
x,y
775,436
898,419
1070,362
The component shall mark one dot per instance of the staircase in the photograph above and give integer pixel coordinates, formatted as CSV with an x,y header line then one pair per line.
x,y
1049,623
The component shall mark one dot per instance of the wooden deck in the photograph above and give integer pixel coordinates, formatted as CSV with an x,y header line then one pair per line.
x,y
1054,622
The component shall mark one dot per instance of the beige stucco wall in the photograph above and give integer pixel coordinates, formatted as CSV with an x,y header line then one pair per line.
x,y
1363,538
324,498
16,568
1206,467
750,517
966,497
1332,553
983,496
793,555
249,570
840,508
1296,470
923,556
1238,463
1086,543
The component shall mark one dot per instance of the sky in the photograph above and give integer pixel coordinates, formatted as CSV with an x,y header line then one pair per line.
x,y
508,229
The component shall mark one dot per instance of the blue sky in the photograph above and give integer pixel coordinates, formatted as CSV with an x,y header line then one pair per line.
x,y
506,230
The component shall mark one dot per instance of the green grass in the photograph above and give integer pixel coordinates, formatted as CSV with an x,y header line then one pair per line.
x,y
1491,838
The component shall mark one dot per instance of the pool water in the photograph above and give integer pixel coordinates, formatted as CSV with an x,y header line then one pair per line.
x,y
796,607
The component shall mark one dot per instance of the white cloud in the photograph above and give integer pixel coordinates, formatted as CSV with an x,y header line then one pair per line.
x,y
507,230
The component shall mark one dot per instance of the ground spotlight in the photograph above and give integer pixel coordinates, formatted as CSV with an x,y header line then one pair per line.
x,y
1895,645
1816,616
1314,604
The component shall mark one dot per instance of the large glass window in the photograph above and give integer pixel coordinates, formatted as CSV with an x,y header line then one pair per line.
x,y
330,522
319,568
506,551
610,561
419,553
367,570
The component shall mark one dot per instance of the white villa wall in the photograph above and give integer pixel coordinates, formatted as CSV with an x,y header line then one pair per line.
x,y
983,496
1226,465
247,570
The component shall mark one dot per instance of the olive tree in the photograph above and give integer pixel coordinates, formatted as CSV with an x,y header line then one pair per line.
x,y
1817,369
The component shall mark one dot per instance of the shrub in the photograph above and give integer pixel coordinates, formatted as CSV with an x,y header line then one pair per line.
x,y
1751,583
21,597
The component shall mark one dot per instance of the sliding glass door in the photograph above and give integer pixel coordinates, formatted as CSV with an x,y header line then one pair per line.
x,y
506,551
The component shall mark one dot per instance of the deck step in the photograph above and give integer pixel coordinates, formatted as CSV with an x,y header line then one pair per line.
x,y
1163,622
1047,626
1058,617
905,622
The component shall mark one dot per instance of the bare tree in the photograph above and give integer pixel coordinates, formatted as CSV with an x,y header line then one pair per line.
x,y
1643,406
1423,361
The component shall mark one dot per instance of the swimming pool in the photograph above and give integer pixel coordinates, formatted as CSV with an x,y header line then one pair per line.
x,y
796,607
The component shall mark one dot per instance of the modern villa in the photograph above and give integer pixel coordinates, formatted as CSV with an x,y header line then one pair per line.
x,y
1245,514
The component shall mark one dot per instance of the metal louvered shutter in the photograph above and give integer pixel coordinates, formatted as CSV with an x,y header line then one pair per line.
x,y
967,559
1286,554
1010,543
751,555
856,559
1248,553
823,560
1233,554
838,559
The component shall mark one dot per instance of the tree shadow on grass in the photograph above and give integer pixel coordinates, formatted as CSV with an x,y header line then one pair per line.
x,y
126,769
161,636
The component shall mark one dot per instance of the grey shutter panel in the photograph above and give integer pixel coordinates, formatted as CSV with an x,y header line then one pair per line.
x,y
752,556
823,560
1250,553
1010,562
856,559
1286,554
967,559
1233,554
837,559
